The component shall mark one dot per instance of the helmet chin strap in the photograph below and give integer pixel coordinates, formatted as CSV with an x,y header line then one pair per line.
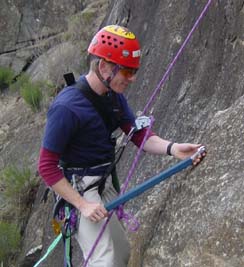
x,y
106,82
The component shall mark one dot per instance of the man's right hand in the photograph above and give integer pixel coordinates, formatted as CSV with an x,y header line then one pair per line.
x,y
94,211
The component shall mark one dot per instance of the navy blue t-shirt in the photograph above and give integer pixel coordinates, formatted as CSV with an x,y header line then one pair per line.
x,y
76,130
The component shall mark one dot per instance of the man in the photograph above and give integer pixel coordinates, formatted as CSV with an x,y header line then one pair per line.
x,y
79,138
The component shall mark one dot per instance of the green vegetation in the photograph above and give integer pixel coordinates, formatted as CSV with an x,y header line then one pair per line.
x,y
17,187
30,91
9,241
20,82
88,16
32,94
6,78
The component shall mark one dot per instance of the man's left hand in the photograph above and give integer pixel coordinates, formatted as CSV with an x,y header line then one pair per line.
x,y
186,150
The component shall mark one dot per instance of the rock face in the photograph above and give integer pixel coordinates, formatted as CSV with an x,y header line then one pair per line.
x,y
27,23
196,217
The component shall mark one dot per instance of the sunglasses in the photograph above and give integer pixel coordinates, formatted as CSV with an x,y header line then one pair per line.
x,y
127,72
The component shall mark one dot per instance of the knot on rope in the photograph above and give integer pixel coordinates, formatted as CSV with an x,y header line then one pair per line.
x,y
130,220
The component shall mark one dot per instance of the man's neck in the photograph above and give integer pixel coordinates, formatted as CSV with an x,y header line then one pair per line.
x,y
96,85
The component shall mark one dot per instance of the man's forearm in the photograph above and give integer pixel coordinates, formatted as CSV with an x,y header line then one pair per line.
x,y
66,191
156,145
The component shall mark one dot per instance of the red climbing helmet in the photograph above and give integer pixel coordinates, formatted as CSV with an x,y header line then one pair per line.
x,y
118,45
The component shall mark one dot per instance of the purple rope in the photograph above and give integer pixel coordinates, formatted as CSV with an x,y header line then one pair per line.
x,y
136,159
98,238
171,65
134,164
130,220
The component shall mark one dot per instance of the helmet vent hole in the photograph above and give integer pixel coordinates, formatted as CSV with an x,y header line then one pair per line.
x,y
102,36
115,46
115,40
121,43
109,43
104,42
108,37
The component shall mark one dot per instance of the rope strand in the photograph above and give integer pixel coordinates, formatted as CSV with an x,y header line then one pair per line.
x,y
171,65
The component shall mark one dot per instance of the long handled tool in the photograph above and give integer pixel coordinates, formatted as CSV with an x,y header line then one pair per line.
x,y
134,192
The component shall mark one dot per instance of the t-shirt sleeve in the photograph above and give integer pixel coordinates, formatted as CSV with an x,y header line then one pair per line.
x,y
60,127
127,113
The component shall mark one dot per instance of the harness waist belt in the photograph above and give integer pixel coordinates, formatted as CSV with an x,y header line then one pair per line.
x,y
78,166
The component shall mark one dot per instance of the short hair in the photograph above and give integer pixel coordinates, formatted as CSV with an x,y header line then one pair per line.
x,y
93,62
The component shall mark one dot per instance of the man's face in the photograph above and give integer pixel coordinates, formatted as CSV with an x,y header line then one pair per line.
x,y
122,79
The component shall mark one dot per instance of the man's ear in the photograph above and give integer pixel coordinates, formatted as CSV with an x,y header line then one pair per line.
x,y
104,67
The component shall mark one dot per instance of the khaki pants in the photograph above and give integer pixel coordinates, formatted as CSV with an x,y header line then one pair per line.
x,y
113,249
